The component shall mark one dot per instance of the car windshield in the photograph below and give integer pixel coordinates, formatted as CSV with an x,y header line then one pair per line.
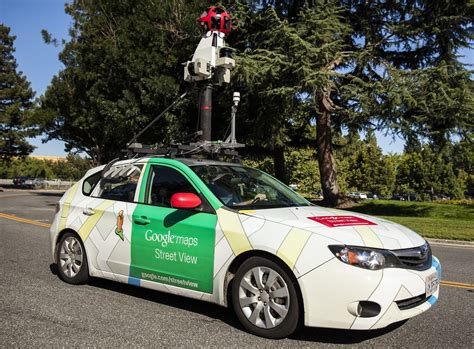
x,y
247,188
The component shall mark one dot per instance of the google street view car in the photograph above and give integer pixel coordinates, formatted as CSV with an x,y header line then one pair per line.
x,y
235,236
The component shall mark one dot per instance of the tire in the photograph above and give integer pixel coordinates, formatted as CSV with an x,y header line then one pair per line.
x,y
72,259
273,314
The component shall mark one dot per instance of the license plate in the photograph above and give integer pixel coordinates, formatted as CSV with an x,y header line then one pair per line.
x,y
431,284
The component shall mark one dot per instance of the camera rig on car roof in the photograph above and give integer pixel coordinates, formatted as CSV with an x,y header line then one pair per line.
x,y
210,66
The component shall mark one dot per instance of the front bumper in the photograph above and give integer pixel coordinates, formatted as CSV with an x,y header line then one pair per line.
x,y
331,291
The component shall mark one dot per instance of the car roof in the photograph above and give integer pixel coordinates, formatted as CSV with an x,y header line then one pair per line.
x,y
186,161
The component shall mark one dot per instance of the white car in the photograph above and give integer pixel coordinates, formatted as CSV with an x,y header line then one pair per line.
x,y
209,230
357,195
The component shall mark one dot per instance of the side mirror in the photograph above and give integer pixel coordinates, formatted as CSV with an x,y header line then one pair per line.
x,y
185,200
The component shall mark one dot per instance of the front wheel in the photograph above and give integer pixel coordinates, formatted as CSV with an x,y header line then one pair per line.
x,y
265,299
72,260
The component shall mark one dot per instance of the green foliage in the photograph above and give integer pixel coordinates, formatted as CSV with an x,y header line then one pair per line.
x,y
362,167
264,77
427,172
302,168
29,167
431,220
410,68
15,102
367,168
462,159
434,103
263,163
73,168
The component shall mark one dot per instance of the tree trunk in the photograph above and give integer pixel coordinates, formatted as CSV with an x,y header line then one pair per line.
x,y
96,156
279,164
327,163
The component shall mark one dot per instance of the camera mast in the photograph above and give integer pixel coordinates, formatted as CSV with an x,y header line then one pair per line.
x,y
209,66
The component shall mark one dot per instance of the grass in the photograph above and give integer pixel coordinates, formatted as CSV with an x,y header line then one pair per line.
x,y
431,220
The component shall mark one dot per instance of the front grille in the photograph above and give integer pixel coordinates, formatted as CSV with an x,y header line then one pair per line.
x,y
413,302
418,258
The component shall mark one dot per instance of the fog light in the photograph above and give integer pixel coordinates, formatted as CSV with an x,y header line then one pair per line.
x,y
364,309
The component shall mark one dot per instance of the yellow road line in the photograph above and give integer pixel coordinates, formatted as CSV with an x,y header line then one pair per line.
x,y
24,220
457,284
47,225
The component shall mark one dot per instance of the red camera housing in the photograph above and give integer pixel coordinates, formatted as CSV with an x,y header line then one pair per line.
x,y
216,19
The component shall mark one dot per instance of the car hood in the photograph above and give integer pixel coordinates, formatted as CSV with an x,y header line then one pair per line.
x,y
344,227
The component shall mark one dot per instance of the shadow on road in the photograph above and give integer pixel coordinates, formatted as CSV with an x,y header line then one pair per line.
x,y
213,311
54,268
334,336
218,313
48,193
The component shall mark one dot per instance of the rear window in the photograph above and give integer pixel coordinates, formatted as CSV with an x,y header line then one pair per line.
x,y
120,183
90,183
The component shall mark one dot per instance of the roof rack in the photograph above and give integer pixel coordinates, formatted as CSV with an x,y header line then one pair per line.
x,y
204,149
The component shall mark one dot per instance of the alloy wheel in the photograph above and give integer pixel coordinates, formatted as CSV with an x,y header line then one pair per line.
x,y
264,297
70,256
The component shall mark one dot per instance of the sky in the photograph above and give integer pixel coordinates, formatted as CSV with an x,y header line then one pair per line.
x,y
39,62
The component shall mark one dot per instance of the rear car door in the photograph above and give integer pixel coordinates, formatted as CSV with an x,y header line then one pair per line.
x,y
107,220
172,246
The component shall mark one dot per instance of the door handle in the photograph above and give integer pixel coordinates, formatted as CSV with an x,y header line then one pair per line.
x,y
88,211
142,220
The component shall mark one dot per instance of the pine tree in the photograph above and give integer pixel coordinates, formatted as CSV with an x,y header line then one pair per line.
x,y
295,58
365,64
269,106
15,102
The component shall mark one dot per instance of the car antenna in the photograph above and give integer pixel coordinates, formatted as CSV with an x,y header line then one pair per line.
x,y
129,144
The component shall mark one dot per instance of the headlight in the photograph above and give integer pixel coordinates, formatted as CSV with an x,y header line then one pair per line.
x,y
362,257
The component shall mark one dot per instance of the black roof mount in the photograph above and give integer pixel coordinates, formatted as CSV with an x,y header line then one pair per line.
x,y
202,149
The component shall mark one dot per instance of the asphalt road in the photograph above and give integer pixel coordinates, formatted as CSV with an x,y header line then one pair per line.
x,y
37,309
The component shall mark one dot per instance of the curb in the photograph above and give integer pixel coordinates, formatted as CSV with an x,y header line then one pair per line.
x,y
451,242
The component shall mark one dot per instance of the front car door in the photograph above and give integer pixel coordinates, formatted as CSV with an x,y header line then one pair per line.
x,y
172,246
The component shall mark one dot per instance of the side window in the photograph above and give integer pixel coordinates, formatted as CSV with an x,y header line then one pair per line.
x,y
120,183
163,183
89,183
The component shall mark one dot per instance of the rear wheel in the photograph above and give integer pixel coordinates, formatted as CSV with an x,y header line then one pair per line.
x,y
72,260
265,299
